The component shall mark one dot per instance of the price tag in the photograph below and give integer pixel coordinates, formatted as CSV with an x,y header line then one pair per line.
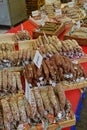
x,y
75,61
84,13
85,6
73,1
20,127
53,84
58,12
35,13
38,59
72,29
78,24
70,4
49,1
27,91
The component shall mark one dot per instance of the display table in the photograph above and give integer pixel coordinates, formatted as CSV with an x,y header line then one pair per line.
x,y
73,95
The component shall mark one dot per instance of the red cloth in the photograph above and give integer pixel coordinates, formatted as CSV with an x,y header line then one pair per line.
x,y
73,96
27,25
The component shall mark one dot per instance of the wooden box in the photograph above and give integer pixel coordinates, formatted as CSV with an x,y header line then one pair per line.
x,y
7,37
81,41
62,124
57,32
73,86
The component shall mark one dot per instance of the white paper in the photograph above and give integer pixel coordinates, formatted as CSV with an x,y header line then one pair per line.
x,y
38,59
35,13
78,24
70,4
84,13
85,6
58,12
53,84
73,1
20,127
49,1
27,91
75,61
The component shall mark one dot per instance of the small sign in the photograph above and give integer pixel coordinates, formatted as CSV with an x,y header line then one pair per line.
x,y
70,4
78,24
75,61
58,12
73,1
38,59
85,6
84,13
72,29
35,13
49,1
27,91
20,127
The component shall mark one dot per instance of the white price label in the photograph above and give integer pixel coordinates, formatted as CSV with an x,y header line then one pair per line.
x,y
70,4
53,84
72,29
58,12
85,6
27,91
75,61
49,1
35,13
84,13
73,1
78,24
38,59
20,127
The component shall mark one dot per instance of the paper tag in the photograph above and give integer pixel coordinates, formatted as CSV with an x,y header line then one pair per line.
x,y
58,12
35,13
38,84
41,78
72,29
50,82
75,62
71,75
53,84
73,1
85,6
38,59
84,13
77,80
78,24
49,1
20,127
59,115
70,4
27,91
82,79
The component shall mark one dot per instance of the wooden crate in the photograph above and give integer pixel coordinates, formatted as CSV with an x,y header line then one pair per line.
x,y
58,31
82,59
28,43
54,126
7,37
73,86
25,44
81,41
